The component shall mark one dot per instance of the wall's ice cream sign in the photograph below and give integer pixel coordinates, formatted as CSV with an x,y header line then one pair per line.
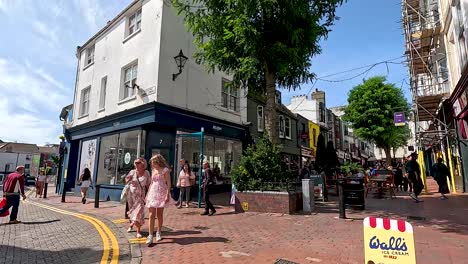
x,y
388,241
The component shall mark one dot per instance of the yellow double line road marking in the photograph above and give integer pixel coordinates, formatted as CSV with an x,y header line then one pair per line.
x,y
103,230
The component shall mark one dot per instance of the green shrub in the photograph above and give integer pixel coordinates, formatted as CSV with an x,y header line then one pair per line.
x,y
350,167
260,165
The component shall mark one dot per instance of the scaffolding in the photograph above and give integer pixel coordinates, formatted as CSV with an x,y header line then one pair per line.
x,y
426,57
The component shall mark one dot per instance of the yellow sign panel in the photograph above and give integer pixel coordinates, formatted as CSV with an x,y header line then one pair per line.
x,y
388,241
245,206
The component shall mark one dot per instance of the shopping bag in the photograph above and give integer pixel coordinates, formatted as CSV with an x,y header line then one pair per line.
x,y
3,203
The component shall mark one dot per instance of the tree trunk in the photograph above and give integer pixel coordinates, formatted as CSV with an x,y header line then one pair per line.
x,y
388,155
270,115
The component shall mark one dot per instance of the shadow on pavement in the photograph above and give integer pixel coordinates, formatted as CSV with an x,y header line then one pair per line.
x,y
181,232
12,254
40,222
447,216
183,241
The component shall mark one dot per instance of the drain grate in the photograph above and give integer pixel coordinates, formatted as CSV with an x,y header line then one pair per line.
x,y
411,217
284,261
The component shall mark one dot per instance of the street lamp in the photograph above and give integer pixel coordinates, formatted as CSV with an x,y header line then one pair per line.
x,y
180,59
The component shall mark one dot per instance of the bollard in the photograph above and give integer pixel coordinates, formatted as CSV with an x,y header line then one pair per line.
x,y
96,196
64,192
45,189
342,200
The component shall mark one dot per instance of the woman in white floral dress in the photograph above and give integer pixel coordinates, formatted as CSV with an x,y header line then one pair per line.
x,y
158,194
138,180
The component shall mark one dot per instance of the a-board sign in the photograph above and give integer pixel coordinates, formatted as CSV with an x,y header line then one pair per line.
x,y
388,241
319,186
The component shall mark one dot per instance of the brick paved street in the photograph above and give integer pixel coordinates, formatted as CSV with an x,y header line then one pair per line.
x,y
46,236
441,232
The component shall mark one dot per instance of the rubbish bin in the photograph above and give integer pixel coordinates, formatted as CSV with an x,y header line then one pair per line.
x,y
353,190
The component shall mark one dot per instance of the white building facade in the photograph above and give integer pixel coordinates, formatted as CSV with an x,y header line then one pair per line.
x,y
134,98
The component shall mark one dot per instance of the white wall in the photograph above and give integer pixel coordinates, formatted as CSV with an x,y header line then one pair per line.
x,y
194,89
112,53
305,107
14,159
154,48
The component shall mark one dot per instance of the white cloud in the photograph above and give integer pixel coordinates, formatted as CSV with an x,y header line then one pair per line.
x,y
48,33
92,12
25,127
33,90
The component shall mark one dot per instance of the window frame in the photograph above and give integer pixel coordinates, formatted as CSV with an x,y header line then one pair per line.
x,y
287,130
134,22
133,67
82,101
281,126
260,119
230,96
90,60
103,93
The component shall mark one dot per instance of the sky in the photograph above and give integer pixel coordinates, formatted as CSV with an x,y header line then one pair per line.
x,y
38,62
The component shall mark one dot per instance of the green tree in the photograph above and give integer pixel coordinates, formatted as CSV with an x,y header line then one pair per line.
x,y
370,110
260,164
320,154
261,43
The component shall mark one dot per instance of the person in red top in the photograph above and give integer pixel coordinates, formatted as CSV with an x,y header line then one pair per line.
x,y
13,187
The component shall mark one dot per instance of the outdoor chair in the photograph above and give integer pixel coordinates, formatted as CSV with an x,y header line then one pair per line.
x,y
389,186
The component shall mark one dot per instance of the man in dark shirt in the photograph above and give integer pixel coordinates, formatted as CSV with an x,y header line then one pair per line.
x,y
208,181
13,187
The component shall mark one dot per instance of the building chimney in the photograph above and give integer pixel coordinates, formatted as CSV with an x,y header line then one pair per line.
x,y
318,96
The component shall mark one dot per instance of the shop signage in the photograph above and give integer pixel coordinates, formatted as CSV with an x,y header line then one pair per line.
x,y
307,152
217,128
127,158
304,135
399,118
341,155
388,241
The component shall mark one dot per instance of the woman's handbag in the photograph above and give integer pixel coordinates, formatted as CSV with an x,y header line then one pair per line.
x,y
3,203
123,195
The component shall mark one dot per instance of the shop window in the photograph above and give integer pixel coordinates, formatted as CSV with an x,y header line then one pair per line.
x,y
116,156
223,154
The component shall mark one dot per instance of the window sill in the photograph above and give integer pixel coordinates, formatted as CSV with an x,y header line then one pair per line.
x,y
83,116
230,111
89,65
126,100
101,110
131,35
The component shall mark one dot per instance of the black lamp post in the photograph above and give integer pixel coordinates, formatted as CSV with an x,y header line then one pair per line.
x,y
180,59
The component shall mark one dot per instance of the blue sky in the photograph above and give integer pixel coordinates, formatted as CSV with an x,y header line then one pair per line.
x,y
38,63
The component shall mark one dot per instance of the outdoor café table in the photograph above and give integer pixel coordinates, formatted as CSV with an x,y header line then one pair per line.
x,y
380,180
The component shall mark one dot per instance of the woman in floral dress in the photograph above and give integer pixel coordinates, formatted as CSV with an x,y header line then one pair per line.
x,y
138,180
158,194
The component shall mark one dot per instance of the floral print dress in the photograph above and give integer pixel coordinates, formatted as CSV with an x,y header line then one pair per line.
x,y
157,193
136,196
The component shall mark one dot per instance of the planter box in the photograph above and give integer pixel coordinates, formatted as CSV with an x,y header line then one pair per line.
x,y
268,202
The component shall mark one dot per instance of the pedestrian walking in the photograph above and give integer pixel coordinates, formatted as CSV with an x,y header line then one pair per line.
x,y
414,177
208,183
40,182
158,194
441,173
399,183
138,180
13,187
85,182
184,183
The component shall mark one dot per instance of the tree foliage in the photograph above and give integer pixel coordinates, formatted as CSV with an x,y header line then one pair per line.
x,y
370,110
260,164
261,43
320,154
